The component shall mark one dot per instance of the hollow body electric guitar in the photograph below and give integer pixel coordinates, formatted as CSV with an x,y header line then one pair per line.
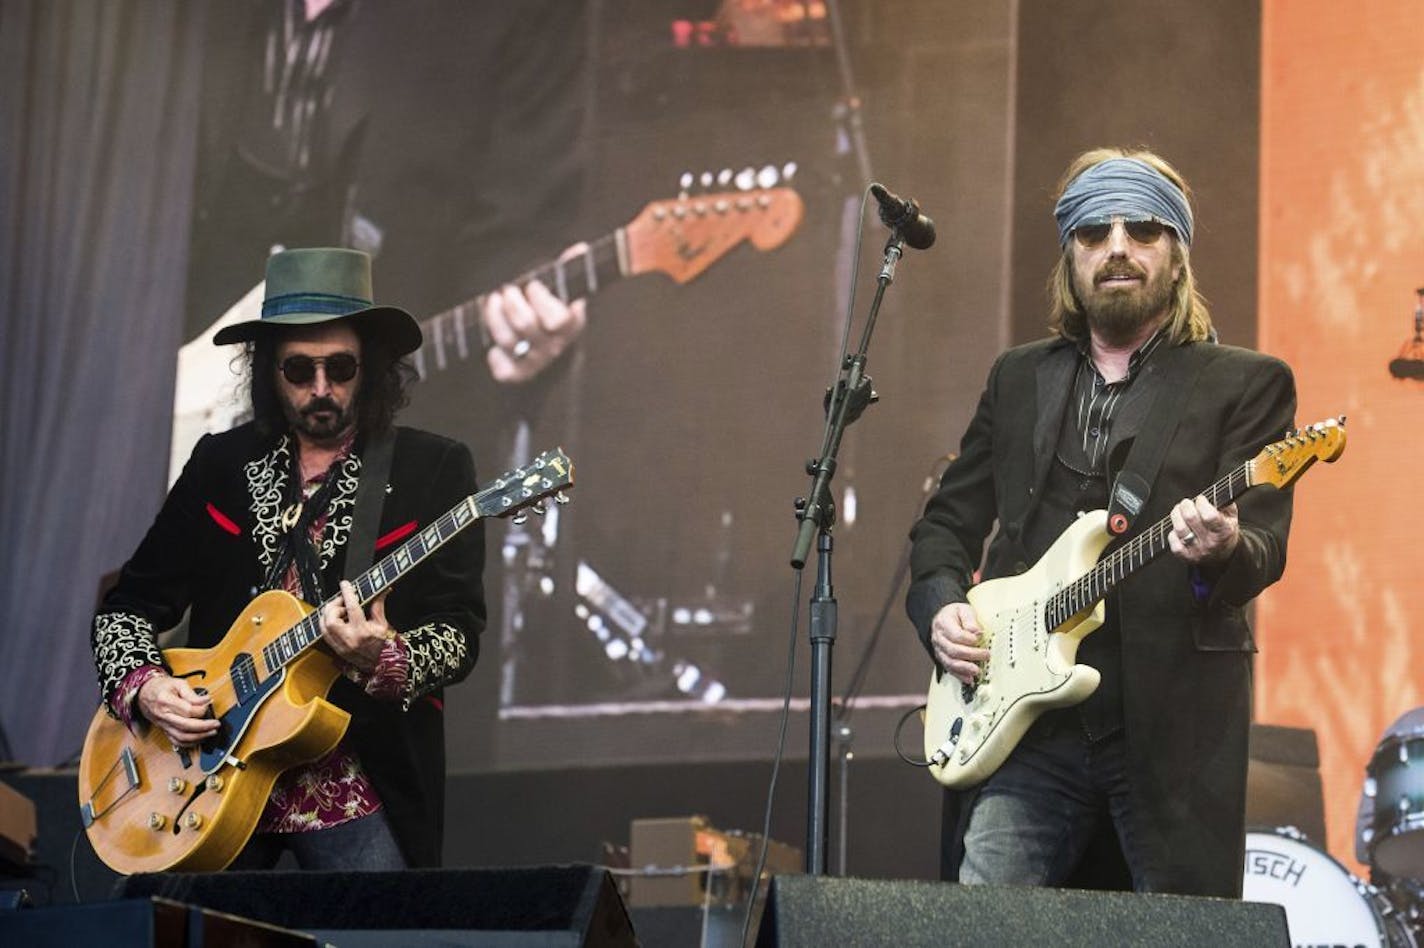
x,y
679,237
1033,623
149,806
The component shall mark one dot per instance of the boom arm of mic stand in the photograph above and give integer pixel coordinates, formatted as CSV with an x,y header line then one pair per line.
x,y
813,517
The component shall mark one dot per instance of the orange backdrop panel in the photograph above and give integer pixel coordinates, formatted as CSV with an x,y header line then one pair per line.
x,y
1342,252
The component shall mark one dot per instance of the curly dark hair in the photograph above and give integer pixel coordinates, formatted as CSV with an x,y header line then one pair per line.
x,y
385,383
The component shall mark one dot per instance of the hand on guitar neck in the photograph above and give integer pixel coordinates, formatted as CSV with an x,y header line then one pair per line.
x,y
355,636
529,327
1201,534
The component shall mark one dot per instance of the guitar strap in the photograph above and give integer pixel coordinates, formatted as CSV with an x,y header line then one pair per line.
x,y
370,497
1133,484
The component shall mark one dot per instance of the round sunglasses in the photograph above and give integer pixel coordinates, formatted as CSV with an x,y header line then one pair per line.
x,y
300,369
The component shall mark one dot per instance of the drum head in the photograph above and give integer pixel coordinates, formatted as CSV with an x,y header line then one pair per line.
x,y
1325,904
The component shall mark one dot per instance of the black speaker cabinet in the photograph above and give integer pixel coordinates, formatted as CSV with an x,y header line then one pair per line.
x,y
814,912
141,923
539,906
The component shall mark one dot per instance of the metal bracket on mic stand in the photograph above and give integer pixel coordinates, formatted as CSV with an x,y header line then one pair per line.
x,y
844,403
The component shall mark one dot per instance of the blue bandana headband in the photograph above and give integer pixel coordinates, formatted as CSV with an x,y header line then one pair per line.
x,y
1122,187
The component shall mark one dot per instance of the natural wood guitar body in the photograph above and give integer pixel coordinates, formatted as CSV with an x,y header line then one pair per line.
x,y
152,808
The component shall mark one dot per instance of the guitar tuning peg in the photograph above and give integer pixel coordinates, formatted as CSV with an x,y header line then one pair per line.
x,y
788,171
539,509
768,176
686,180
706,180
561,498
521,517
724,177
746,179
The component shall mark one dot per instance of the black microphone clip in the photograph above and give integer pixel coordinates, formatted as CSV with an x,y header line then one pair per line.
x,y
904,217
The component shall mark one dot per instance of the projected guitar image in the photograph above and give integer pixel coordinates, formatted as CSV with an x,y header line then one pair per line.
x,y
680,237
1034,622
150,806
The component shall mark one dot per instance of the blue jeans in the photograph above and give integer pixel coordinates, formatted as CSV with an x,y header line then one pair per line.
x,y
1032,820
362,845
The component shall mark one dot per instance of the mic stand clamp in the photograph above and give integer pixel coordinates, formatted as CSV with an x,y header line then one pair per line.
x,y
894,250
850,396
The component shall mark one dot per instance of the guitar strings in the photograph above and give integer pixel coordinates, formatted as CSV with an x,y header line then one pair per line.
x,y
1095,584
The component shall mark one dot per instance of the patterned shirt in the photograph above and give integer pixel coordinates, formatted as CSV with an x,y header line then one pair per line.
x,y
332,789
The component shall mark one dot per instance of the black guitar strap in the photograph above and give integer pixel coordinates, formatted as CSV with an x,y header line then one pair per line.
x,y
370,497
1133,484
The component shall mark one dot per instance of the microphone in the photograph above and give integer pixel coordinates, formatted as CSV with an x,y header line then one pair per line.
x,y
904,216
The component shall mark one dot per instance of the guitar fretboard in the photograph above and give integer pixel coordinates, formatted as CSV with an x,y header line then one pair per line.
x,y
1093,585
291,643
455,333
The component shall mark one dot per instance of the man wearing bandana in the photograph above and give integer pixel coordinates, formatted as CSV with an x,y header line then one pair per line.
x,y
1155,759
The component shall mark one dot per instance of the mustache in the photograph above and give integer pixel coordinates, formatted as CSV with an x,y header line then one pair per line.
x,y
321,404
1119,268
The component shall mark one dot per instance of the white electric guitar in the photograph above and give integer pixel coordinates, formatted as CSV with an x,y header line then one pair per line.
x,y
1032,623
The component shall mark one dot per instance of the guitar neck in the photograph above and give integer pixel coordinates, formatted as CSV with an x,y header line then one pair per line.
x,y
449,334
1093,585
287,646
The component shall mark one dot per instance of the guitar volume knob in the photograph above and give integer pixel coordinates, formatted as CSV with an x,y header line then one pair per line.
x,y
193,820
177,785
214,783
156,821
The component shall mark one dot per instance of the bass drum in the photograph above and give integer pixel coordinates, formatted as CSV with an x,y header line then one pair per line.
x,y
1324,903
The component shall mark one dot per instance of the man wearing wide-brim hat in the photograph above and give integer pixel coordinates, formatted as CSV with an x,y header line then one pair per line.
x,y
282,502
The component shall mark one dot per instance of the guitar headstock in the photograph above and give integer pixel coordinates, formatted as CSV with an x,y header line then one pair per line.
x,y
683,236
1283,461
515,491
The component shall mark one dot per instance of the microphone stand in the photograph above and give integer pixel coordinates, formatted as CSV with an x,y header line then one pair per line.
x,y
844,403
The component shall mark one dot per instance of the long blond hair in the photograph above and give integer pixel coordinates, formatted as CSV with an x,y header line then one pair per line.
x,y
1188,319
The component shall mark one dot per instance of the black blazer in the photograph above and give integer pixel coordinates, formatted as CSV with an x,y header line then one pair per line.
x,y
1186,664
209,548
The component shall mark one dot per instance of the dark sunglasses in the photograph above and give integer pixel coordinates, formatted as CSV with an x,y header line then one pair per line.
x,y
1145,231
299,369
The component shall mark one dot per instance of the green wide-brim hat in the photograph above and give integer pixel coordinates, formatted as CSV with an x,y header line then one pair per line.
x,y
321,284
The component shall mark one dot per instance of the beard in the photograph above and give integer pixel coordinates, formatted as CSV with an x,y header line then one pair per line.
x,y
321,420
1118,313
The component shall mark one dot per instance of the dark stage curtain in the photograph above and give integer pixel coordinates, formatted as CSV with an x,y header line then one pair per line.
x,y
98,117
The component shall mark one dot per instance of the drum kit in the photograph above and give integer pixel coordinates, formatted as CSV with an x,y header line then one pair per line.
x,y
1325,903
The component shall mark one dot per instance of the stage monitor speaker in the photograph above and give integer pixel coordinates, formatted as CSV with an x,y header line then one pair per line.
x,y
813,912
1283,785
543,906
141,923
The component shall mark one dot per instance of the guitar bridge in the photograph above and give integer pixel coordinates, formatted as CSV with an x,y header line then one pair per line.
x,y
126,762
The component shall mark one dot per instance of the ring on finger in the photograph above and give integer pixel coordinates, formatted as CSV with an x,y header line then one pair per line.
x,y
1189,538
521,348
